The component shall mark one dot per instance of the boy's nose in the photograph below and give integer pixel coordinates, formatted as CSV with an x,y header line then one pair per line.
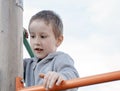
x,y
37,41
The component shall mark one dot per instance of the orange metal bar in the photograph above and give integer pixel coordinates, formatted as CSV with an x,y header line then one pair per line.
x,y
78,82
19,84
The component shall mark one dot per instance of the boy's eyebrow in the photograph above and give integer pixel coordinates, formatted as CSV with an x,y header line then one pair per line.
x,y
31,32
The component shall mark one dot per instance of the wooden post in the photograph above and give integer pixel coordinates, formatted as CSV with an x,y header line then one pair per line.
x,y
11,40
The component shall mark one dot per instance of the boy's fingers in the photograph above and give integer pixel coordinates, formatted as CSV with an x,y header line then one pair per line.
x,y
26,33
53,80
46,80
59,81
49,78
42,75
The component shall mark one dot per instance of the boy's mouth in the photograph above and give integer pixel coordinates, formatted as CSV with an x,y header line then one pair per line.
x,y
38,49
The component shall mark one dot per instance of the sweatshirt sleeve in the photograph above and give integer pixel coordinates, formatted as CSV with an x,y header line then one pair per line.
x,y
65,65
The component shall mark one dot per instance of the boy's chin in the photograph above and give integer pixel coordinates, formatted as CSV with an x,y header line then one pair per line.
x,y
40,56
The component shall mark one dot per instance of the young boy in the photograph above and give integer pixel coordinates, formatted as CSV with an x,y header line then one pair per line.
x,y
46,35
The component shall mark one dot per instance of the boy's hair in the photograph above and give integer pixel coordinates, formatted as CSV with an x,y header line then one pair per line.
x,y
52,18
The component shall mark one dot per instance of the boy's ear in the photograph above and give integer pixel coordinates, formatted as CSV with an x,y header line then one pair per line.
x,y
59,40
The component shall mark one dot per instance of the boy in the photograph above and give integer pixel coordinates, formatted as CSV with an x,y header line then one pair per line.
x,y
46,35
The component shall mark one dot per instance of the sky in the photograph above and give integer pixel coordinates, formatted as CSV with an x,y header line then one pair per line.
x,y
91,35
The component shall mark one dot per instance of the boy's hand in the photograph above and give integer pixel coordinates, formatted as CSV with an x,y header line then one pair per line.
x,y
26,33
51,79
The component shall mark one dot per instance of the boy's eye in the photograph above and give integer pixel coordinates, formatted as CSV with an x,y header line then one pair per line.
x,y
32,36
43,36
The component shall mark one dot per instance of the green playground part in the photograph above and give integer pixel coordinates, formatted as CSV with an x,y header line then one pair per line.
x,y
27,46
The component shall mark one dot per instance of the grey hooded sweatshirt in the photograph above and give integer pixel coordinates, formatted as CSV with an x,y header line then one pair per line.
x,y
58,61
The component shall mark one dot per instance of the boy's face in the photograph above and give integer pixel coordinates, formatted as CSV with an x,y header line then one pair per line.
x,y
42,39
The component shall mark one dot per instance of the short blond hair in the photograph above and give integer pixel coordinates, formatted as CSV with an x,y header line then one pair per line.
x,y
52,18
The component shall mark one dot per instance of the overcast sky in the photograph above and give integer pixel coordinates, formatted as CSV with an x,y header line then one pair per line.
x,y
91,35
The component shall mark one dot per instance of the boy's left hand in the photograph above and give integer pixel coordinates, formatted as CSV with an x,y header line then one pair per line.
x,y
52,78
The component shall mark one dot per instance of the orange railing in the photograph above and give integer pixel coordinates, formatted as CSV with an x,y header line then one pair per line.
x,y
73,83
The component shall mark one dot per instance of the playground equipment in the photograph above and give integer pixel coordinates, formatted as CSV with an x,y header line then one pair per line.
x,y
11,41
73,83
27,46
11,55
